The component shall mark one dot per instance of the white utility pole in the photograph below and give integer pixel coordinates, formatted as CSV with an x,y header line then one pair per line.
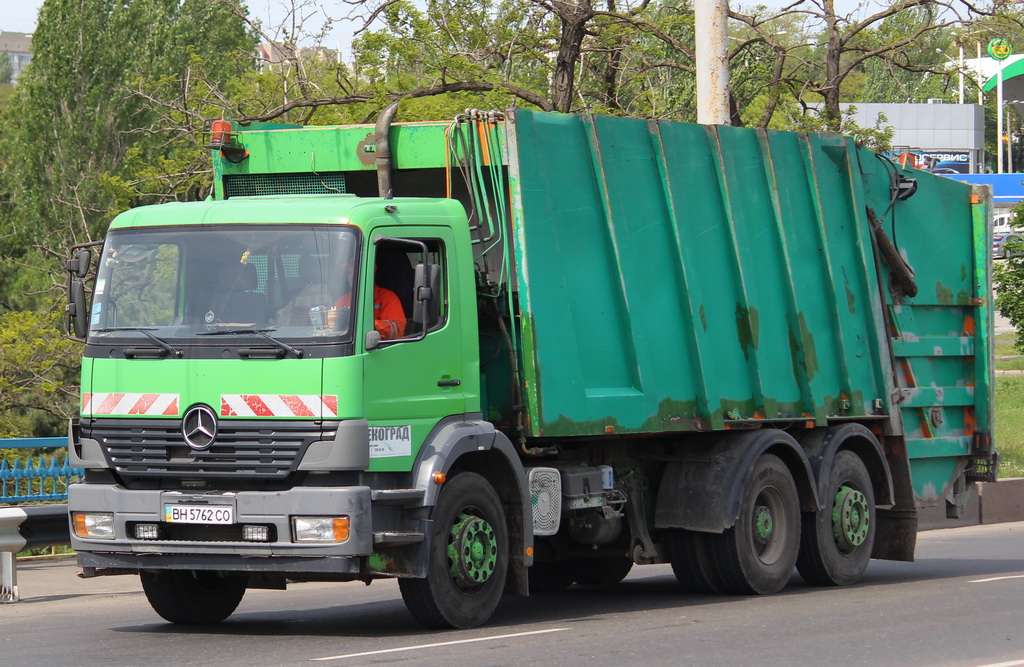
x,y
960,69
712,42
999,121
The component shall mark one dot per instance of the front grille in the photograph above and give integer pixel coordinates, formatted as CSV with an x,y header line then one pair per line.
x,y
257,185
256,449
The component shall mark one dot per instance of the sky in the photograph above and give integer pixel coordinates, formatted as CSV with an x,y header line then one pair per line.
x,y
19,15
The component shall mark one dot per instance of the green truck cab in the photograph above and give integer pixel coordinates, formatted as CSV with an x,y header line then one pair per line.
x,y
624,342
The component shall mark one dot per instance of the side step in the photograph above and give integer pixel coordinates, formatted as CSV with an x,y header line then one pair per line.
x,y
397,496
396,539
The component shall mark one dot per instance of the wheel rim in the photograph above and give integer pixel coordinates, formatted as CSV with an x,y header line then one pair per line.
x,y
472,551
850,519
768,525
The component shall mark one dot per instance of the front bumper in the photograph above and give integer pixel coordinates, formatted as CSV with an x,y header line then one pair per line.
x,y
271,508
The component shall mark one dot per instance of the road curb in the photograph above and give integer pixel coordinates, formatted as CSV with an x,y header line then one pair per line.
x,y
1001,501
987,502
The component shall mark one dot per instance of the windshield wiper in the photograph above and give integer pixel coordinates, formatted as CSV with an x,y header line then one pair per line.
x,y
259,332
130,353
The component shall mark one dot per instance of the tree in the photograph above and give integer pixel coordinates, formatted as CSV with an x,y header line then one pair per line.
x,y
836,48
6,71
79,144
74,124
38,375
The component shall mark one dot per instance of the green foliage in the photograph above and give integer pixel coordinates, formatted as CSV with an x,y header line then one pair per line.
x,y
77,125
1008,279
92,128
6,71
504,42
38,375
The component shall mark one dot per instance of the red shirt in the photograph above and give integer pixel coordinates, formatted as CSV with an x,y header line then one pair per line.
x,y
388,314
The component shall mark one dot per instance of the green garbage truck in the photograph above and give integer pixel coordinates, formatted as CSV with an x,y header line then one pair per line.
x,y
525,351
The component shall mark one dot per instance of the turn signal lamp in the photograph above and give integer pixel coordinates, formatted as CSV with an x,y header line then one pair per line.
x,y
93,525
320,528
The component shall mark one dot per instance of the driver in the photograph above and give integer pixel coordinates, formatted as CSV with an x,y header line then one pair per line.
x,y
388,315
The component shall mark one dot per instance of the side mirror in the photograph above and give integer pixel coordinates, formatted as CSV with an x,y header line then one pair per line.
x,y
79,265
372,340
426,307
78,309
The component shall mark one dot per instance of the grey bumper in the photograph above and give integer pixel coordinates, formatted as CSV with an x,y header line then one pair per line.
x,y
274,508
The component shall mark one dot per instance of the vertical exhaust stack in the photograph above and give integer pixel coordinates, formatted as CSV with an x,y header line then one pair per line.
x,y
383,152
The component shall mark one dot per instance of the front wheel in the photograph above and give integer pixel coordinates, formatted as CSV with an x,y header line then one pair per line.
x,y
468,557
757,555
194,598
836,543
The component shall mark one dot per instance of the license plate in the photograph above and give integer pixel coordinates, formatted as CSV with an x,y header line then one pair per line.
x,y
202,514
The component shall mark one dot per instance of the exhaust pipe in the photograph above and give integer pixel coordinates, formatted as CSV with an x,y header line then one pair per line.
x,y
383,153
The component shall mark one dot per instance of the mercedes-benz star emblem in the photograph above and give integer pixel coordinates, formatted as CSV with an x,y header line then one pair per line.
x,y
199,426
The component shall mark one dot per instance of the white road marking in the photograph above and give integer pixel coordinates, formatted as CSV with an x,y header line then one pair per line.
x,y
438,644
985,581
1012,663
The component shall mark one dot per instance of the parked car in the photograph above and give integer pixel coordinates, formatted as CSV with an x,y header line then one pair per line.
x,y
1003,237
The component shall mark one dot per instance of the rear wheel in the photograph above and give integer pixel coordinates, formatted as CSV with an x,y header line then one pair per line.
x,y
691,561
468,557
196,598
757,555
836,543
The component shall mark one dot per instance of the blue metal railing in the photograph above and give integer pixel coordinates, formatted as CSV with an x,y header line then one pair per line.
x,y
35,479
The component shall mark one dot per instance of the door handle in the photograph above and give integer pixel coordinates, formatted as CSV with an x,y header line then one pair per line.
x,y
449,383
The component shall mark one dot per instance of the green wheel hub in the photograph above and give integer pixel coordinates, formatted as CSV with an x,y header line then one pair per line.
x,y
763,524
850,522
472,551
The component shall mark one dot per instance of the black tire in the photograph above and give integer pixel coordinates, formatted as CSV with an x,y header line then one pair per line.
x,y
691,561
836,544
603,570
457,593
192,598
757,555
552,576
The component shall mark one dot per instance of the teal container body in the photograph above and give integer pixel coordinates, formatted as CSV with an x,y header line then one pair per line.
x,y
677,277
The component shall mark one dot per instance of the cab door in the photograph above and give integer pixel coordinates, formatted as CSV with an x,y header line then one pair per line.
x,y
432,371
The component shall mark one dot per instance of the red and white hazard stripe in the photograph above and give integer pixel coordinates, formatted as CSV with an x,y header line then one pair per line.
x,y
130,404
278,405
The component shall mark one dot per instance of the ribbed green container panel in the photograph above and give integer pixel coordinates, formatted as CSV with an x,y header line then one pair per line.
x,y
682,277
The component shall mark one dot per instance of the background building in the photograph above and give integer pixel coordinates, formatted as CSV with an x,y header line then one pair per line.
x,y
18,46
943,137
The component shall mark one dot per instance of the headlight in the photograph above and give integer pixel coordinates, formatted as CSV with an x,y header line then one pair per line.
x,y
94,525
320,528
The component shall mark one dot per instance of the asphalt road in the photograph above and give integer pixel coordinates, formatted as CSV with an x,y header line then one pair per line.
x,y
960,604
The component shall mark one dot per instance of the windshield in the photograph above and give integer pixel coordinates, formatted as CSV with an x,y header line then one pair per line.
x,y
293,281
